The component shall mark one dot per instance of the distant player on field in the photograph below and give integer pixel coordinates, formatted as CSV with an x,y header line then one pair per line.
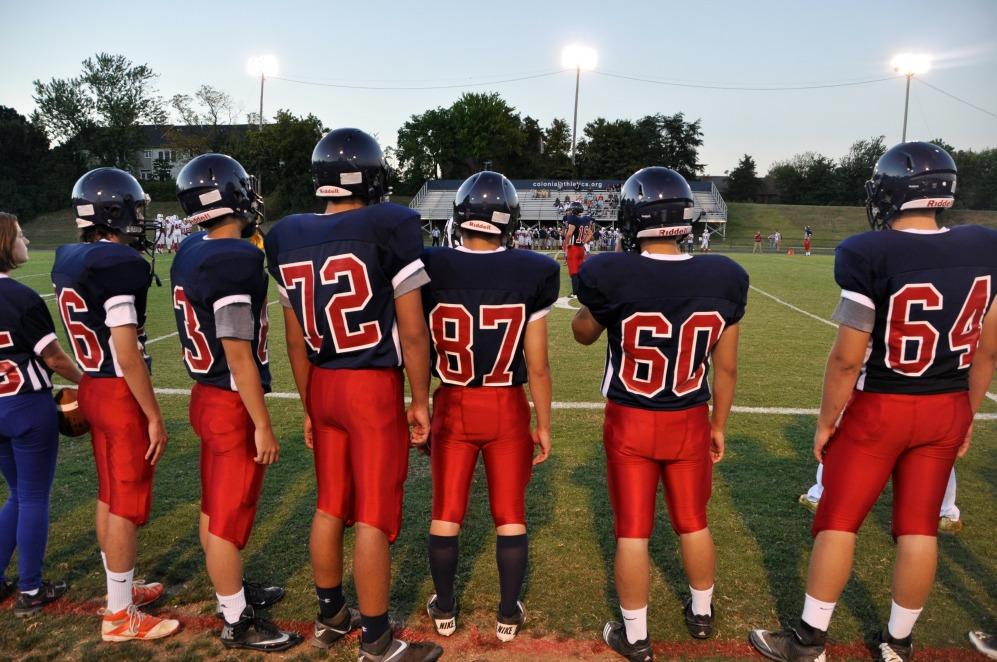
x,y
350,282
487,309
669,315
101,285
905,378
220,304
577,234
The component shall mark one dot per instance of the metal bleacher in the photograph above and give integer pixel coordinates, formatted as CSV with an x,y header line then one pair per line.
x,y
434,201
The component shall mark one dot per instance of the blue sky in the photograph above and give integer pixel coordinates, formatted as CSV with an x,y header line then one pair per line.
x,y
759,42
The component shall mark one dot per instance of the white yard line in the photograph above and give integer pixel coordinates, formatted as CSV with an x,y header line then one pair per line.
x,y
992,396
789,305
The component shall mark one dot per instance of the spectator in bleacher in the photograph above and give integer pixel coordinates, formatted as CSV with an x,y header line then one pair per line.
x,y
436,235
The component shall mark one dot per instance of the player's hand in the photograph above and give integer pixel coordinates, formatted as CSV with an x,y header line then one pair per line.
x,y
309,439
157,440
821,439
418,424
541,437
965,442
267,446
717,440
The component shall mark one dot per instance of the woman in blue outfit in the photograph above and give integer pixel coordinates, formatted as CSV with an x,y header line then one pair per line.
x,y
29,430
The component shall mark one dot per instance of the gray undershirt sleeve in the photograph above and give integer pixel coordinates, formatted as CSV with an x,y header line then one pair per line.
x,y
413,282
854,314
235,321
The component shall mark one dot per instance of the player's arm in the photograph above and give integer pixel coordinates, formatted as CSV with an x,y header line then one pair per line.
x,y
843,366
59,362
585,327
414,337
981,373
538,374
124,338
724,359
567,237
297,356
245,374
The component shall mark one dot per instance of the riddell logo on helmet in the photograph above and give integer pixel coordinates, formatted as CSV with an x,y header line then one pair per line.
x,y
332,191
940,203
671,232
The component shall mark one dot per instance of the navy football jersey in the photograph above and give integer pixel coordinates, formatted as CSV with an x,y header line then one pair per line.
x,y
929,292
582,223
90,279
338,272
208,274
662,317
26,329
478,305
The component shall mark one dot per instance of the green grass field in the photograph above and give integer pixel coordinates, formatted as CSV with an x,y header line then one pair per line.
x,y
762,534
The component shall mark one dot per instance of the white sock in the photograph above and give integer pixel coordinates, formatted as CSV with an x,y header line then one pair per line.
x,y
232,606
817,614
119,590
701,601
902,621
103,559
635,621
33,592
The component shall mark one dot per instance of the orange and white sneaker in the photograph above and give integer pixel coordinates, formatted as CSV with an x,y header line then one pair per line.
x,y
145,593
131,624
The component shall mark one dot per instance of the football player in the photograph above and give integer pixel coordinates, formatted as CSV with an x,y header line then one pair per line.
x,y
349,282
220,304
101,285
669,315
578,233
903,379
487,309
29,433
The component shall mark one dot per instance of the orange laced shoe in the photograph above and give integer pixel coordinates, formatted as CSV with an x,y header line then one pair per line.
x,y
143,593
131,624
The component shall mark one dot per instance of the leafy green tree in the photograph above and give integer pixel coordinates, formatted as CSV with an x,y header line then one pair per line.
x,y
25,187
101,110
855,168
805,179
162,169
743,182
620,147
556,160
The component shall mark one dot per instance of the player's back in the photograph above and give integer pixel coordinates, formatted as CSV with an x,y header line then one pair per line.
x,y
338,272
663,314
25,330
90,279
206,275
478,305
930,292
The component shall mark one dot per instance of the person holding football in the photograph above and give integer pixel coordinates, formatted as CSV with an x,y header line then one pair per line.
x,y
487,309
903,380
220,304
669,316
101,286
577,234
349,281
29,433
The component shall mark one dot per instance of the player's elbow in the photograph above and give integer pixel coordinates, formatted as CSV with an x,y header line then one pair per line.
x,y
840,362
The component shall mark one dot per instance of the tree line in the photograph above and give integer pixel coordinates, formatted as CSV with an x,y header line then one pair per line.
x,y
97,118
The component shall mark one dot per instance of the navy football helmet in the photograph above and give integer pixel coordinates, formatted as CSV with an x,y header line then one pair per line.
x,y
576,208
349,162
114,199
487,202
655,202
914,175
214,185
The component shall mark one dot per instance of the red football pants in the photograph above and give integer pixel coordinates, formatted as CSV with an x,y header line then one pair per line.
x,y
574,257
495,422
119,432
645,447
361,443
914,438
230,478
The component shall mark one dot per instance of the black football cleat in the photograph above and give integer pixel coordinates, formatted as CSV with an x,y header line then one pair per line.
x,y
888,649
389,649
328,631
259,596
507,627
787,646
28,605
257,633
615,635
445,622
700,626
6,589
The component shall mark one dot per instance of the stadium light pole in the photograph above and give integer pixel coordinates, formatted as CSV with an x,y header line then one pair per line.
x,y
262,66
577,57
909,64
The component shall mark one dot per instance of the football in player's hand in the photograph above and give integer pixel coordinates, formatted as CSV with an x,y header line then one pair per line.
x,y
71,421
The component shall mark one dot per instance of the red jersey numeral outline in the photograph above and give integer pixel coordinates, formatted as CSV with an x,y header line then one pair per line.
x,y
965,333
11,376
86,345
451,327
262,350
198,357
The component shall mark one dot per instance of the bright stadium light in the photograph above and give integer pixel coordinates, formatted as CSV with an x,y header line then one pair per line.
x,y
577,57
262,66
909,64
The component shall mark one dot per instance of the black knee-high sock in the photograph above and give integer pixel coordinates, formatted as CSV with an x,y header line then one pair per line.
x,y
443,567
330,600
574,284
511,554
